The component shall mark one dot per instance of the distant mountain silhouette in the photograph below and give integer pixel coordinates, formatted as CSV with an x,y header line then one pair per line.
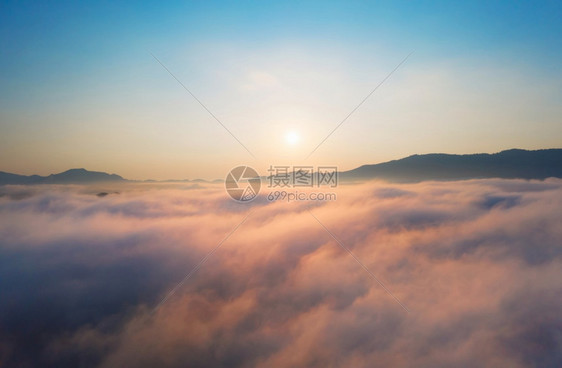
x,y
510,164
73,176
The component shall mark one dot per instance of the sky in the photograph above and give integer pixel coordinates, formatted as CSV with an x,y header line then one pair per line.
x,y
79,87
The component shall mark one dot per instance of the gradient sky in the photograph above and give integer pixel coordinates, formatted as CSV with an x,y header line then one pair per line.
x,y
79,88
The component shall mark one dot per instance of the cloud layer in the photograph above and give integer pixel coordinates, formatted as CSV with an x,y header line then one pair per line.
x,y
477,263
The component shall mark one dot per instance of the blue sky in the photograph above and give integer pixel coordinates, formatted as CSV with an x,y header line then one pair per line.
x,y
78,87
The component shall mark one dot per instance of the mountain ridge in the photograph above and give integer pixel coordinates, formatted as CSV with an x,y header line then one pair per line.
x,y
508,164
72,176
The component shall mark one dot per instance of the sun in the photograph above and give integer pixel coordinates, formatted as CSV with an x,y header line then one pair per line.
x,y
292,137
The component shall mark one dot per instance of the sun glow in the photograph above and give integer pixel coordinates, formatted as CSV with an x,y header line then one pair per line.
x,y
292,138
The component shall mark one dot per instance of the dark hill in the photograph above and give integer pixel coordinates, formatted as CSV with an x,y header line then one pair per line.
x,y
73,176
515,163
510,164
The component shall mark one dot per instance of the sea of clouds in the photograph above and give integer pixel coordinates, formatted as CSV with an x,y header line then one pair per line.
x,y
478,265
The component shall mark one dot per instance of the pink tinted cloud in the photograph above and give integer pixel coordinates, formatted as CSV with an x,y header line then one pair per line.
x,y
477,263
